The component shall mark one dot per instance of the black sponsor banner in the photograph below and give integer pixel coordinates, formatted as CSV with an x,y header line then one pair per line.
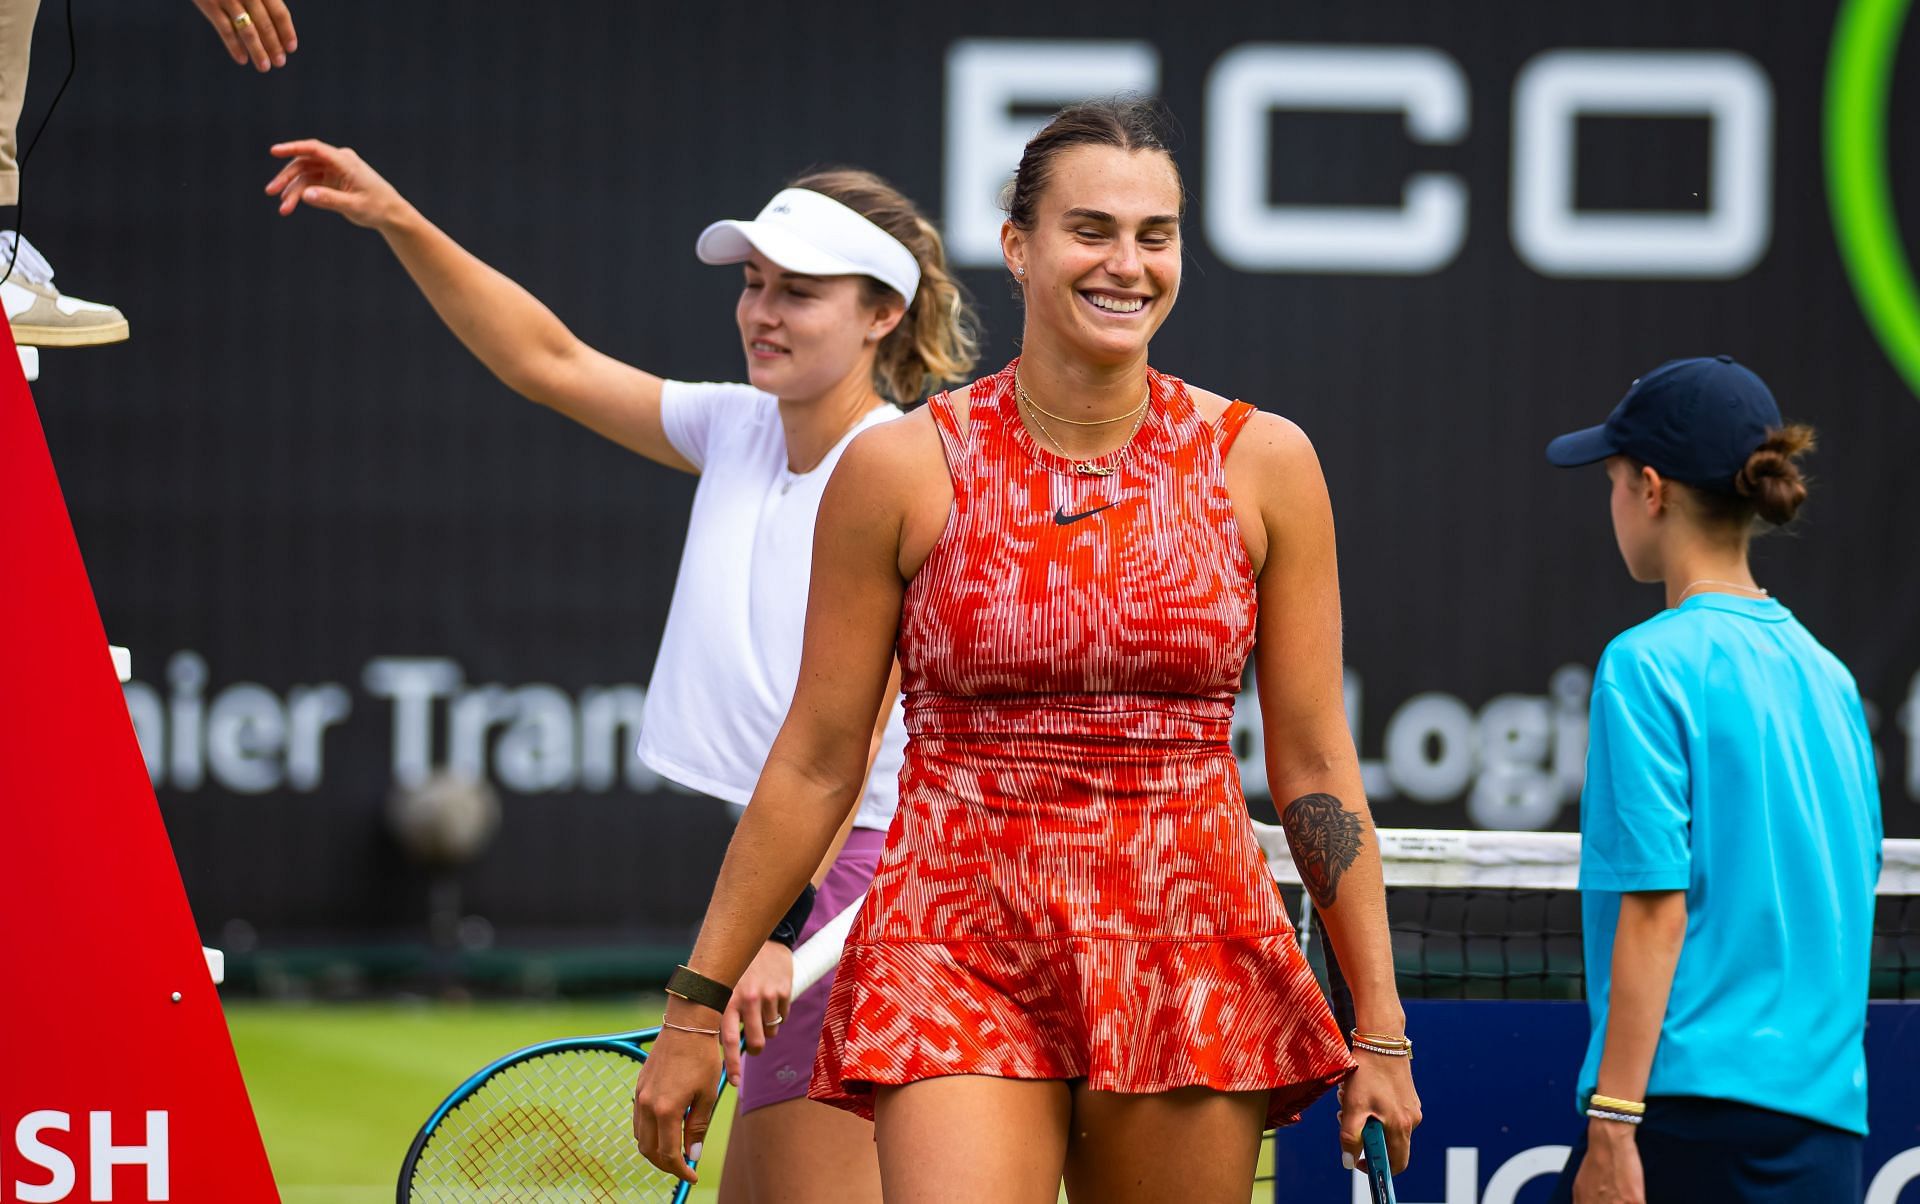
x,y
1435,236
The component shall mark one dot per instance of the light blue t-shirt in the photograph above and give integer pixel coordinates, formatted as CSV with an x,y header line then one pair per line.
x,y
1729,757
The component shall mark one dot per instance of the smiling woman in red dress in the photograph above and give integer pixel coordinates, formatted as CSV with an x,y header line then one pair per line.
x,y
1072,963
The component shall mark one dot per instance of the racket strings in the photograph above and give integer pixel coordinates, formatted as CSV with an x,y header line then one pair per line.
x,y
556,1128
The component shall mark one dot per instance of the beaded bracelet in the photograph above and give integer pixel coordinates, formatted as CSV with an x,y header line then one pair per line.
x,y
1625,1118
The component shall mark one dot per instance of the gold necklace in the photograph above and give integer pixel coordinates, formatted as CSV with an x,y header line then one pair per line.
x,y
1020,391
1749,589
1086,467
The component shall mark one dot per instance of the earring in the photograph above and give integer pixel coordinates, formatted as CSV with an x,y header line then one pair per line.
x,y
1019,271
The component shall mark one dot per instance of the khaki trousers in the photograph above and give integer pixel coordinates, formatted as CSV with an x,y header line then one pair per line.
x,y
16,42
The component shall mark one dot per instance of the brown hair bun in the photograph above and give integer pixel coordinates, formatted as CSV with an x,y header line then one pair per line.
x,y
1771,480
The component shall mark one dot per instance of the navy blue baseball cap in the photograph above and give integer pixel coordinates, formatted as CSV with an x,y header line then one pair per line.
x,y
1694,420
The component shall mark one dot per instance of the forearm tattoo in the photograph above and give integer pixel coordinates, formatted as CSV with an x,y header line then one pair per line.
x,y
1325,838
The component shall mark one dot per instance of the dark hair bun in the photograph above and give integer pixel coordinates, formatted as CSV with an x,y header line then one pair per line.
x,y
1771,480
1126,122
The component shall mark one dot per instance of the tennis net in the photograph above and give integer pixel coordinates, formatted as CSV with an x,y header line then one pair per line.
x,y
1496,915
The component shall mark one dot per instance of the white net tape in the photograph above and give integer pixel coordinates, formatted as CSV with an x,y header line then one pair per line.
x,y
1517,860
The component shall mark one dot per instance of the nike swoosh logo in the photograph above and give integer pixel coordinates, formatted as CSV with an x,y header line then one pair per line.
x,y
1062,518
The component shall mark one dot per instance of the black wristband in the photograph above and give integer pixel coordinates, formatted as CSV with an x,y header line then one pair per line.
x,y
695,987
787,931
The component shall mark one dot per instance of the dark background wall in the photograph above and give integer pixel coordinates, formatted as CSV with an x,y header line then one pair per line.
x,y
292,472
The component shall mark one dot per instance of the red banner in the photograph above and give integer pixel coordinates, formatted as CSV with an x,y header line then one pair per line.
x,y
117,1076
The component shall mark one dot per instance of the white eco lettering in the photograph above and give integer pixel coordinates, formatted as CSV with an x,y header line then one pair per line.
x,y
989,80
1250,83
1557,88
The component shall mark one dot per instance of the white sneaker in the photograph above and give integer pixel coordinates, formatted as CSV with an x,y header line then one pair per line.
x,y
40,314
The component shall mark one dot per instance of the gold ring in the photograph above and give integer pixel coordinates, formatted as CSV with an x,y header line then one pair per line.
x,y
242,20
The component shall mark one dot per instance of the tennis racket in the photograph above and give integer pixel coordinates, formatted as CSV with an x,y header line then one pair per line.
x,y
1373,1141
554,1122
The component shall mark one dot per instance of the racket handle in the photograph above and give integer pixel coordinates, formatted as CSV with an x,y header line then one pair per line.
x,y
820,953
1373,1142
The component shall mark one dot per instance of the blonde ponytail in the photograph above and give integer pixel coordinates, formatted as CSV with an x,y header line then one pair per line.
x,y
938,340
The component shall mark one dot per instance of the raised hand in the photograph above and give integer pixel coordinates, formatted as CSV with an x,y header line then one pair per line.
x,y
256,31
333,178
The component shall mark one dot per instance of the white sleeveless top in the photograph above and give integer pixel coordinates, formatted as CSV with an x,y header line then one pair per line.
x,y
730,656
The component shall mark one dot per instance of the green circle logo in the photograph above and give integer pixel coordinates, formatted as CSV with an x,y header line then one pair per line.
x,y
1866,40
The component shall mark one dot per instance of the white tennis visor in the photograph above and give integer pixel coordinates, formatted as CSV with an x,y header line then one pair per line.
x,y
813,234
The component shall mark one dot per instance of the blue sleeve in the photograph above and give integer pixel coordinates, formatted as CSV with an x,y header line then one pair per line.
x,y
1870,778
1635,808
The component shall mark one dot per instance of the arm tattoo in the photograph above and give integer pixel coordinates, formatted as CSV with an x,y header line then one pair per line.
x,y
1325,838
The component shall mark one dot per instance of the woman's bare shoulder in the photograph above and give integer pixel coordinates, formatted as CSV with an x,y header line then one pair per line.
x,y
1272,432
1271,455
894,461
1208,404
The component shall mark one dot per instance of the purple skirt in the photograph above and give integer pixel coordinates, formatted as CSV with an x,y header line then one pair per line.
x,y
780,1071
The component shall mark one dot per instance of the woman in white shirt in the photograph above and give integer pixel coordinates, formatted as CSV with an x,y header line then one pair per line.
x,y
847,307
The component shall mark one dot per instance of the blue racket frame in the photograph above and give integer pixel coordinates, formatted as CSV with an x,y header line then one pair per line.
x,y
1373,1142
632,1044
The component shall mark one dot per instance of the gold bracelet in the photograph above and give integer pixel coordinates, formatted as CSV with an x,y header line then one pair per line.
x,y
1380,1039
1608,1103
704,1032
1384,1046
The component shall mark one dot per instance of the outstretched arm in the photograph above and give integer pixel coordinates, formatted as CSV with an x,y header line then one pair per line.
x,y
1311,764
507,328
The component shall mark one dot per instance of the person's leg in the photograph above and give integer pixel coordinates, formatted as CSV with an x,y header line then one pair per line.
x,y
16,42
1187,1144
733,1188
967,1138
1825,1164
41,316
800,1152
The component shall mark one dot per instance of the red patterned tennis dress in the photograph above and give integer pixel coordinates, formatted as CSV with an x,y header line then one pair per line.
x,y
1071,889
